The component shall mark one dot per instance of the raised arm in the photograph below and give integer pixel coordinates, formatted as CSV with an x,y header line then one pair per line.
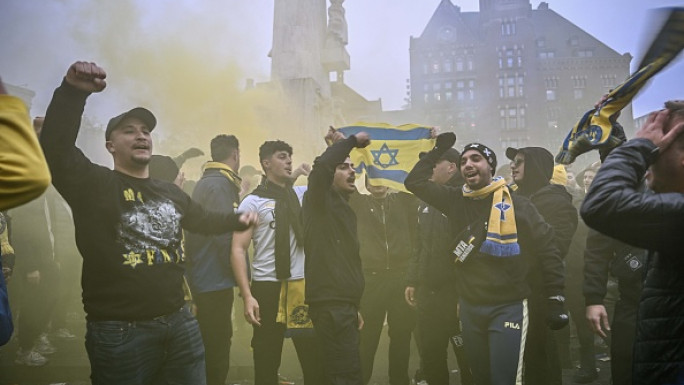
x,y
70,168
23,171
418,180
615,206
323,170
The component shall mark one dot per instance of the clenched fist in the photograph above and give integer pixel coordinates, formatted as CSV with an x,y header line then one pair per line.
x,y
85,76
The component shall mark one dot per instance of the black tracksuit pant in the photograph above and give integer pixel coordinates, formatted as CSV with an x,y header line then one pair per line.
x,y
267,341
384,296
437,323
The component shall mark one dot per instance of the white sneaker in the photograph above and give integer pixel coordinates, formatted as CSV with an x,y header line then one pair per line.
x,y
64,333
30,358
43,345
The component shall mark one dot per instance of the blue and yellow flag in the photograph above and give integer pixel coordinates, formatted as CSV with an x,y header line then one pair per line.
x,y
392,153
594,129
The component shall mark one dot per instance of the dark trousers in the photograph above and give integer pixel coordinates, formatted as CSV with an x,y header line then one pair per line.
x,y
542,361
267,341
383,297
214,310
494,341
577,308
337,329
438,323
68,299
623,330
37,304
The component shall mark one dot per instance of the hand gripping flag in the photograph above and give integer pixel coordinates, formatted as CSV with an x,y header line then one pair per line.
x,y
594,129
392,153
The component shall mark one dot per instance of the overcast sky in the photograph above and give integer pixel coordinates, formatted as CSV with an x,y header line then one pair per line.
x,y
150,46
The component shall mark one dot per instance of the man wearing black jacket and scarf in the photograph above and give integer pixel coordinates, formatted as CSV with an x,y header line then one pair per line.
x,y
277,269
333,272
532,169
615,206
431,284
129,232
496,236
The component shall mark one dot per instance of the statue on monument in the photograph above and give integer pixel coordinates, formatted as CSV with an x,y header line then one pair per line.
x,y
337,23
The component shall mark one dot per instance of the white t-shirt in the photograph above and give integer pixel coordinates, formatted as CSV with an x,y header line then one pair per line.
x,y
263,263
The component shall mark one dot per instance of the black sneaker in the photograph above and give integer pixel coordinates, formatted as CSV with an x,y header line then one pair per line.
x,y
585,376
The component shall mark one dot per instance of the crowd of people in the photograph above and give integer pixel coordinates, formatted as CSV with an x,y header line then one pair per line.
x,y
492,262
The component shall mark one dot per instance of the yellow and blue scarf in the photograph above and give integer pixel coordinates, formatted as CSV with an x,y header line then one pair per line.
x,y
594,129
502,233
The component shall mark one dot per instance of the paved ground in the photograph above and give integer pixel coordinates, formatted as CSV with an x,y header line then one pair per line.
x,y
70,364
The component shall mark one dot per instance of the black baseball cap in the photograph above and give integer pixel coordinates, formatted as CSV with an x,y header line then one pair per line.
x,y
139,112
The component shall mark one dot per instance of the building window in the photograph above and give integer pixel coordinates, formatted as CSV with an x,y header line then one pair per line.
x,y
574,41
508,28
579,81
512,117
448,96
578,93
550,95
448,66
609,81
435,67
470,63
585,53
459,65
551,82
448,85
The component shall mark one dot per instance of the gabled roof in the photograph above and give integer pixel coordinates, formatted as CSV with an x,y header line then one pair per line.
x,y
449,15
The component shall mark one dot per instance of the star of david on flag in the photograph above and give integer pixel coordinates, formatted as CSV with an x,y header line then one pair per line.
x,y
392,153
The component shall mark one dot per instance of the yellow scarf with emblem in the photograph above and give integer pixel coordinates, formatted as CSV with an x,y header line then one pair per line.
x,y
502,233
292,311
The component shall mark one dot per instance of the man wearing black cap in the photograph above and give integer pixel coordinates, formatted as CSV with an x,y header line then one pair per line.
x,y
496,235
128,230
431,284
532,169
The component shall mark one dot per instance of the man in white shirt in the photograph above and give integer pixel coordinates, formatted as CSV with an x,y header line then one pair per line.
x,y
274,303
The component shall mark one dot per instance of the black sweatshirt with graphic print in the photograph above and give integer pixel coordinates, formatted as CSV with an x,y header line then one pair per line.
x,y
128,229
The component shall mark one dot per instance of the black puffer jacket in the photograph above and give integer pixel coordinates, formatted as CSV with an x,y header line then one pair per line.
x,y
615,207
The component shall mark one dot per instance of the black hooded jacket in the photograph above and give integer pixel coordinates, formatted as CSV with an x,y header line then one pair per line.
x,y
552,201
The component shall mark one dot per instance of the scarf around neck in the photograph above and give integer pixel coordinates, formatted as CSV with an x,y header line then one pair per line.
x,y
225,170
502,233
287,209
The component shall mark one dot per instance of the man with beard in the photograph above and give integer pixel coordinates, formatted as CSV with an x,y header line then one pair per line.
x,y
128,230
497,236
532,169
334,276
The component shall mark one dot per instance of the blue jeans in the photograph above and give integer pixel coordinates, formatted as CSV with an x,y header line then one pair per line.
x,y
164,350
